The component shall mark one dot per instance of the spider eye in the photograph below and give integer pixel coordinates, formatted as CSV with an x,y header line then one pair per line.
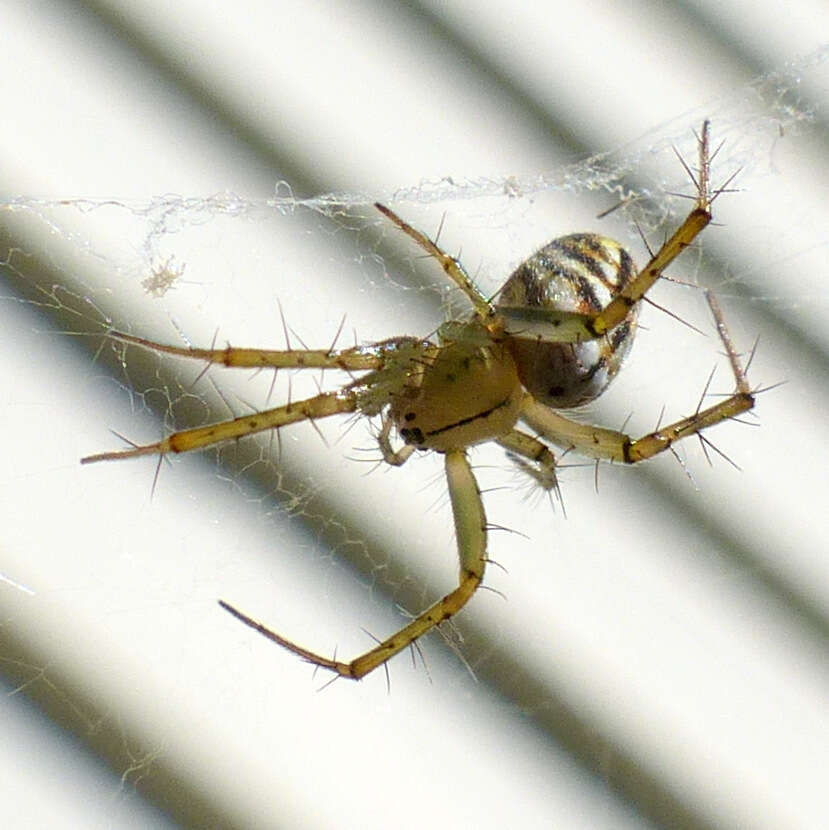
x,y
412,436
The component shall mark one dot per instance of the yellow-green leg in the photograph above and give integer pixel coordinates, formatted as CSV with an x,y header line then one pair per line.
x,y
470,529
320,406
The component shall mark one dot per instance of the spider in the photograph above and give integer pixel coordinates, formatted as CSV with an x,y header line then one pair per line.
x,y
555,339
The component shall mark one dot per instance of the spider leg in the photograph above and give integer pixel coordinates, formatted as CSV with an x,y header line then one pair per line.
x,y
470,529
454,270
320,406
617,446
554,325
697,219
542,462
354,359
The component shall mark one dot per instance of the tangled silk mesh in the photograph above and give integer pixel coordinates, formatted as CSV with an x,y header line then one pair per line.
x,y
636,176
150,281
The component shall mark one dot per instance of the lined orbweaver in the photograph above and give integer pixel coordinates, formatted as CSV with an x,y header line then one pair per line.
x,y
555,339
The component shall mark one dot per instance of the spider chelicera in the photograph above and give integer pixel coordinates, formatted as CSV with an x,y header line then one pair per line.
x,y
554,339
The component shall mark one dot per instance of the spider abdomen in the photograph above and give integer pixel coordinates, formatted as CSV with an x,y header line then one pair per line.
x,y
580,273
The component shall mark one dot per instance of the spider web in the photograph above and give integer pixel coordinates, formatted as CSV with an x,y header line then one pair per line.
x,y
191,269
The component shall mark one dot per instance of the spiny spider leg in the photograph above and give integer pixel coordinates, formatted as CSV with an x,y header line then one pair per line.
x,y
354,359
454,270
617,446
470,530
376,356
320,406
553,325
543,463
695,222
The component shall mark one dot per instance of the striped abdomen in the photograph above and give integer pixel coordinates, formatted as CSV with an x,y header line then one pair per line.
x,y
581,272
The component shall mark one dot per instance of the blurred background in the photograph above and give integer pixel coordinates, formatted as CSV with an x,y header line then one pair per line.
x,y
657,657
